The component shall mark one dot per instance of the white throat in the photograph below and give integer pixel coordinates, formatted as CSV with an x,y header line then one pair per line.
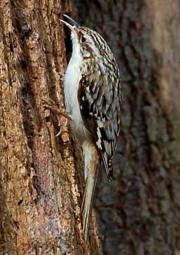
x,y
71,86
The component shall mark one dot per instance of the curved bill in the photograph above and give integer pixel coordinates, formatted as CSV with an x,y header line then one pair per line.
x,y
73,21
68,25
73,28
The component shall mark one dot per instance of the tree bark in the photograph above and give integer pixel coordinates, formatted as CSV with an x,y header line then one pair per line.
x,y
139,212
40,189
41,173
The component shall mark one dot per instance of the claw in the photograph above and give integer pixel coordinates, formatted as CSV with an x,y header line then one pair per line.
x,y
58,134
55,109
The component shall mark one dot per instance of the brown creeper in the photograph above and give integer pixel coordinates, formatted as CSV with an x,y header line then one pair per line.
x,y
92,99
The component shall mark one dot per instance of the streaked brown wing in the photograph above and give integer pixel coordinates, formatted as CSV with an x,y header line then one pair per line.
x,y
100,109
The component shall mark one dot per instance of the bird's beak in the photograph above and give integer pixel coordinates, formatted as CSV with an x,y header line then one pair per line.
x,y
73,21
73,28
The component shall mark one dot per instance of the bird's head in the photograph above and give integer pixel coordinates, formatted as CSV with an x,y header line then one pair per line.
x,y
89,41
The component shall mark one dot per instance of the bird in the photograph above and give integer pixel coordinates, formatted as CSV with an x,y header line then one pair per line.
x,y
92,92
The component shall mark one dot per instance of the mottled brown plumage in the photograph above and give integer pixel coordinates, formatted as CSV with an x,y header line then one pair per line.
x,y
99,94
92,99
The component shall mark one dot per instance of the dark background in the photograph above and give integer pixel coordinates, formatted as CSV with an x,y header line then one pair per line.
x,y
138,212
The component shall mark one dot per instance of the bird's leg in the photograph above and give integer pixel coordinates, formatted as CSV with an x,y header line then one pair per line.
x,y
51,106
62,117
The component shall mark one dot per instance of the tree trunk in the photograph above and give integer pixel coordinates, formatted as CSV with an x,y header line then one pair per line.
x,y
139,212
39,179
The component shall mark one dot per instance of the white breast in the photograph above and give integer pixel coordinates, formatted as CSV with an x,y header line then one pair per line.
x,y
71,84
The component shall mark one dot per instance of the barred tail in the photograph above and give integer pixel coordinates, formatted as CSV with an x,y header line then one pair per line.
x,y
91,174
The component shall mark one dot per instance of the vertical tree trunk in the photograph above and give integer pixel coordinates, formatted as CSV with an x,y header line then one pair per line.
x,y
39,192
139,211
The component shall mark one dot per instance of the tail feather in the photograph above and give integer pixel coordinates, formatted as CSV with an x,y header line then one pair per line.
x,y
87,201
91,159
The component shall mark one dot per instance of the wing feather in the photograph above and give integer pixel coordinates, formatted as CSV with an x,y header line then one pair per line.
x,y
99,98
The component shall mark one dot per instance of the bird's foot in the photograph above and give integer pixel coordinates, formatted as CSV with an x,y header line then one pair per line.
x,y
61,117
50,104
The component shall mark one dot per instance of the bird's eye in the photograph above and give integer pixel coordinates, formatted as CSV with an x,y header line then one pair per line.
x,y
83,39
